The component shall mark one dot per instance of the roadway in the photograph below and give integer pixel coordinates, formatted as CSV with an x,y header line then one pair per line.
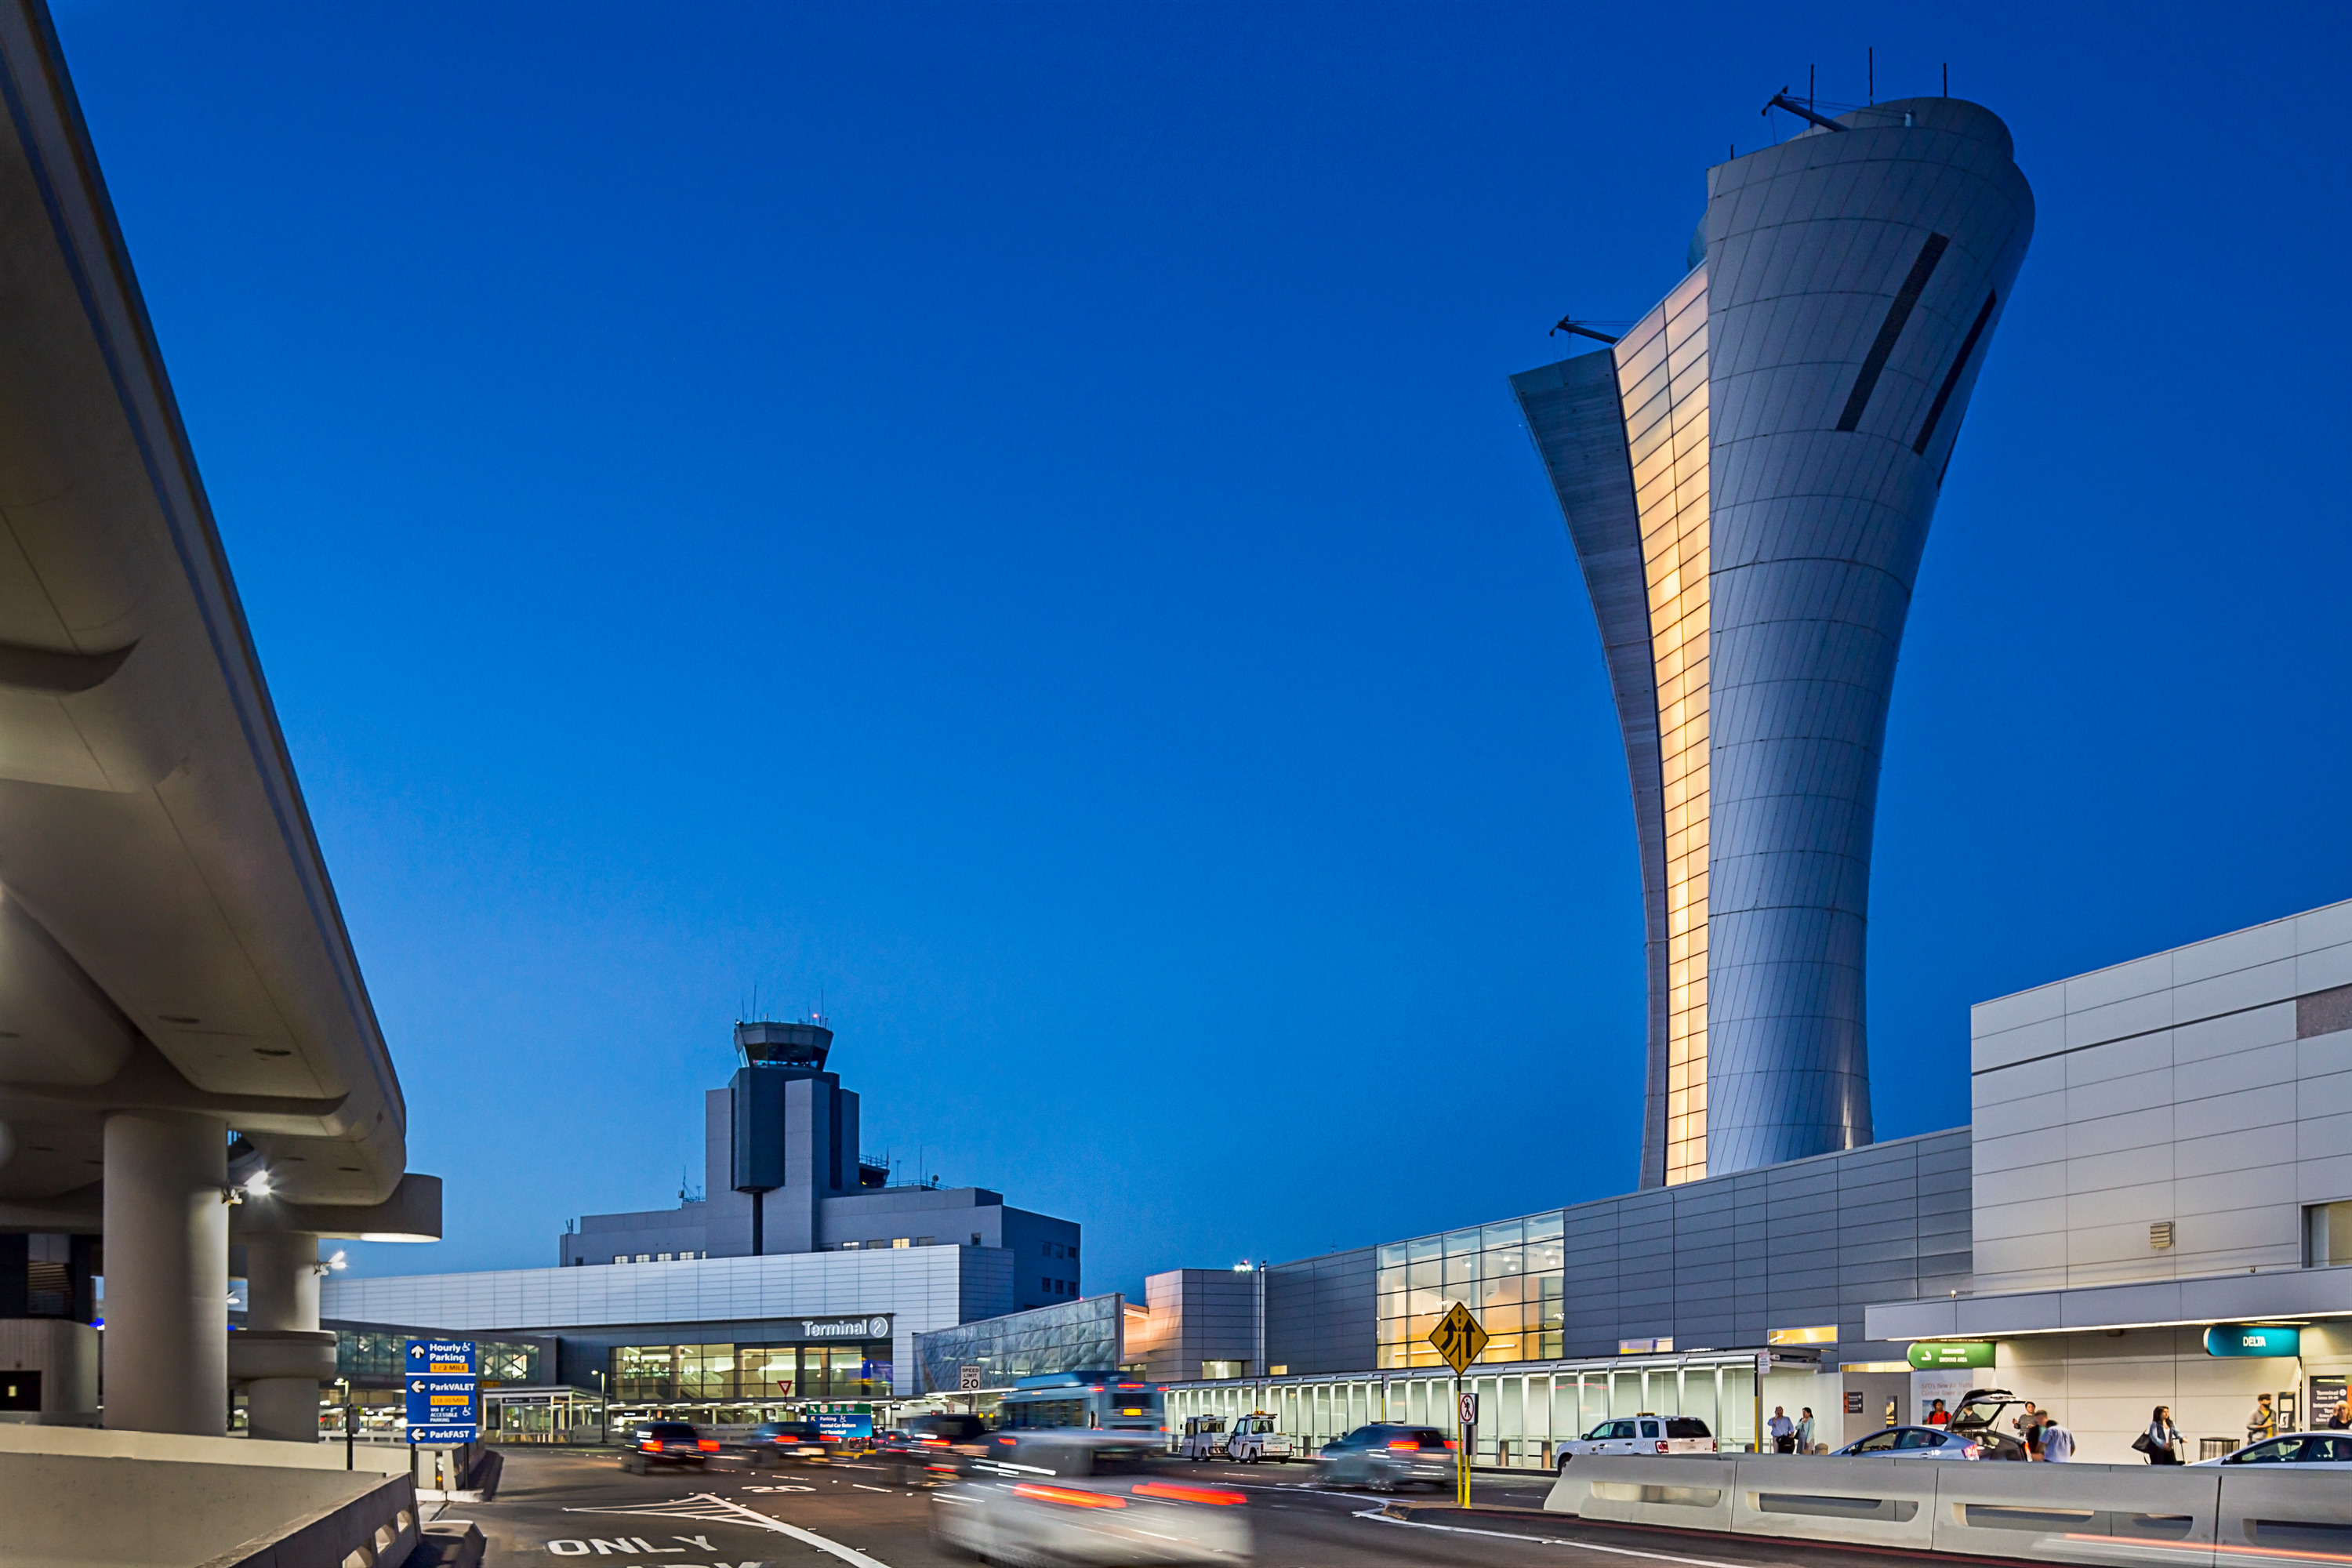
x,y
556,1506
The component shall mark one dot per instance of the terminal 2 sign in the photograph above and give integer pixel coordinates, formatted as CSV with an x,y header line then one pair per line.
x,y
1936,1356
2240,1340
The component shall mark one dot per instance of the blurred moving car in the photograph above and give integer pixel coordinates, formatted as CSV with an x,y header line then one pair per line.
x,y
1092,1522
1063,1451
2295,1450
1384,1458
655,1444
1642,1435
1912,1442
944,1443
773,1442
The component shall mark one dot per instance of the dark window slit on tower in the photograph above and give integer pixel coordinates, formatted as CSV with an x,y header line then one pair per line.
x,y
1905,300
1952,376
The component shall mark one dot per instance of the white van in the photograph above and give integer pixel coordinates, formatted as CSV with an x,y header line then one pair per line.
x,y
1644,1433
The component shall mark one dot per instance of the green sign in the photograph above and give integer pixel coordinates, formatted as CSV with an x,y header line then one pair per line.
x,y
1939,1355
2237,1339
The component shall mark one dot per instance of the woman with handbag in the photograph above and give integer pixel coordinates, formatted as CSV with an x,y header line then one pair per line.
x,y
2161,1442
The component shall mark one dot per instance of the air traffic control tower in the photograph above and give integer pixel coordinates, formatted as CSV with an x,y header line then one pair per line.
x,y
1748,477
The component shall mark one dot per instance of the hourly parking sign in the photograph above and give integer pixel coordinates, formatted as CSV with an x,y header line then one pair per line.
x,y
439,1378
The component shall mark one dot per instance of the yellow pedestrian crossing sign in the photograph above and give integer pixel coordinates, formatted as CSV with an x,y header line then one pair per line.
x,y
1458,1338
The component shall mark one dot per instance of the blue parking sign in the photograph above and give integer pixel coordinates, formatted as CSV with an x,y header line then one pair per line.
x,y
442,1390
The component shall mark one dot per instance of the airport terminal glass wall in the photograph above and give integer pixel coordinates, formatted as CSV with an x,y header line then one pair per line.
x,y
1509,1276
731,1374
1523,1413
1076,1336
367,1353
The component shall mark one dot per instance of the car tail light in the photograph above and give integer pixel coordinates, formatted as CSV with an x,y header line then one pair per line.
x,y
1662,1445
1969,1452
650,1448
1406,1445
1188,1494
706,1445
1006,1441
1449,1443
1069,1496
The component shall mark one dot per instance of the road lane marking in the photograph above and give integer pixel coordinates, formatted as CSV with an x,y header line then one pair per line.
x,y
1378,1517
710,1506
861,1486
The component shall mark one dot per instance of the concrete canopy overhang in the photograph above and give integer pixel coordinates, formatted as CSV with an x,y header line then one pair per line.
x,y
2283,1294
169,937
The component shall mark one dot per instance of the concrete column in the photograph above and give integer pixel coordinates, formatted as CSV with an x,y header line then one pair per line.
x,y
166,1310
281,1294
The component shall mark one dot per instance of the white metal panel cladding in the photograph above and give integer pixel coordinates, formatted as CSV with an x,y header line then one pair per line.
x,y
1847,270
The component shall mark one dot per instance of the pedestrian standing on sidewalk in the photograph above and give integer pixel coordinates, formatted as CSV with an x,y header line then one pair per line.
x,y
2028,1416
1805,1431
1783,1431
2263,1421
1937,1415
2161,1441
2057,1443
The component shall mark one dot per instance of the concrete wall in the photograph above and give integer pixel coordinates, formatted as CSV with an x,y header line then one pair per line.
x,y
79,1509
2210,1086
2086,1513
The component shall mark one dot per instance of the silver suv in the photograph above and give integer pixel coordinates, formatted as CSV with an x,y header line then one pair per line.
x,y
1384,1458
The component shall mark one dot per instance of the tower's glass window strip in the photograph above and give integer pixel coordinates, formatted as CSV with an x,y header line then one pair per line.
x,y
1662,378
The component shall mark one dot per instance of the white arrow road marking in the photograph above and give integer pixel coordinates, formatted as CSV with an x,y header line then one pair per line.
x,y
709,1505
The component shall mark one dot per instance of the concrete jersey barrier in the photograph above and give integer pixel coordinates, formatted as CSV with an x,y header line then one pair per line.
x,y
71,1511
2224,1517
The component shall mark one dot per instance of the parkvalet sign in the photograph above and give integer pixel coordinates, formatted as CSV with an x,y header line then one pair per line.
x,y
874,1327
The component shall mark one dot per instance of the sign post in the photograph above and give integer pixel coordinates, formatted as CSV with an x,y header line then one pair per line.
x,y
1459,1339
442,1387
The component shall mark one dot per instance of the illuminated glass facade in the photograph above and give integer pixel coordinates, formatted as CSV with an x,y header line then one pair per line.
x,y
1662,368
731,1374
1748,477
1510,1276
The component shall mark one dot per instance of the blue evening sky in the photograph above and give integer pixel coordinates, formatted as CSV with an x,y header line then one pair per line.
x,y
1010,518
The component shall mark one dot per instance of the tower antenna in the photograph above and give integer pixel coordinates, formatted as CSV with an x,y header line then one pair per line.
x,y
1582,329
1874,73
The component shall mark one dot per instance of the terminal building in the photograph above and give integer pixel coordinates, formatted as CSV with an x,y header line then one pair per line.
x,y
799,1276
2153,1207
